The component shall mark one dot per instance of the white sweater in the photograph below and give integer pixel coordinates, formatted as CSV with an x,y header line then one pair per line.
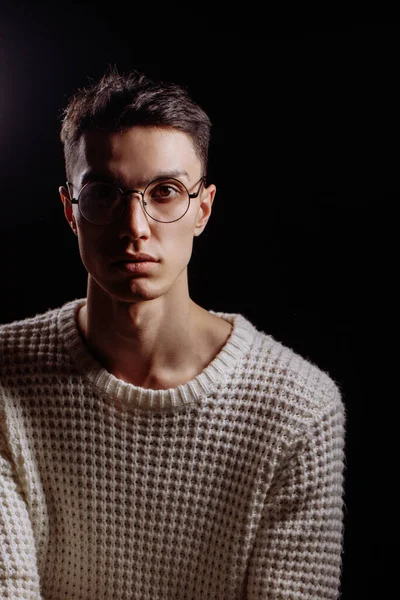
x,y
229,487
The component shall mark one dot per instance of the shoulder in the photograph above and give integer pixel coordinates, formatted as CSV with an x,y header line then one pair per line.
x,y
291,383
28,340
15,330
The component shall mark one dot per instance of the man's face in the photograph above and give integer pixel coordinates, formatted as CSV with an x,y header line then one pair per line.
x,y
132,159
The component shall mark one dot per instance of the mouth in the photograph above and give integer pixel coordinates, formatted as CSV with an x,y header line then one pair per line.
x,y
135,261
140,258
135,266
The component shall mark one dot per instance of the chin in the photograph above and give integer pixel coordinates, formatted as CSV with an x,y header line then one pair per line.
x,y
131,289
136,291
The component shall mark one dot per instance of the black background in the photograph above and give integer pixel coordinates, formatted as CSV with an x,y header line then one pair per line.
x,y
302,237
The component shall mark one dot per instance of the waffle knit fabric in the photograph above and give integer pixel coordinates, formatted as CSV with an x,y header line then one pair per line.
x,y
228,487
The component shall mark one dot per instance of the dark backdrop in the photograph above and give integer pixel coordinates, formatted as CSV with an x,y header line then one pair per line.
x,y
305,158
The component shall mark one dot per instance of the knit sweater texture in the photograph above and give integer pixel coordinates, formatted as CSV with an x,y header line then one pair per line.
x,y
228,487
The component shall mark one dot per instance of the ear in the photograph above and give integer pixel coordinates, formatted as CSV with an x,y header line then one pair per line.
x,y
68,208
204,212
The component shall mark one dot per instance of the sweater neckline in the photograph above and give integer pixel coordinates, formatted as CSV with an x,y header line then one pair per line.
x,y
130,395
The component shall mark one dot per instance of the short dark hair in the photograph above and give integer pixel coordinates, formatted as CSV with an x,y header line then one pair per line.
x,y
117,102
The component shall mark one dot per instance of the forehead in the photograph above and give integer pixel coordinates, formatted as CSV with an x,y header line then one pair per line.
x,y
138,153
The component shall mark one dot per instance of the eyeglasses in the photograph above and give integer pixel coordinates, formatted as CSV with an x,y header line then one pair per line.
x,y
165,200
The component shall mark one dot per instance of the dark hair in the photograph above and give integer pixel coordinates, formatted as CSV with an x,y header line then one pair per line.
x,y
118,102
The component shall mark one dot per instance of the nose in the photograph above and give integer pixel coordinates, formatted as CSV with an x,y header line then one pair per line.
x,y
134,221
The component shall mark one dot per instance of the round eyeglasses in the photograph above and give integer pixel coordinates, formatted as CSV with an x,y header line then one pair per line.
x,y
165,200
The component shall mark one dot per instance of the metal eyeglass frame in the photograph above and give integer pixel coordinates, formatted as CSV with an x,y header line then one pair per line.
x,y
128,192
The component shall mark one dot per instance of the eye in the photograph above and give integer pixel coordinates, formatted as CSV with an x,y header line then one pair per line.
x,y
102,192
165,191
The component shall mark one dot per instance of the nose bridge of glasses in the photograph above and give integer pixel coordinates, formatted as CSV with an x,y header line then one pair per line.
x,y
130,192
138,193
139,196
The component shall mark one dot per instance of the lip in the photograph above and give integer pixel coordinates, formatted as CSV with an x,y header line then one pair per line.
x,y
140,257
139,266
140,263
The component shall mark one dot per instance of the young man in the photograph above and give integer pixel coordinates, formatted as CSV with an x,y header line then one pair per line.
x,y
150,448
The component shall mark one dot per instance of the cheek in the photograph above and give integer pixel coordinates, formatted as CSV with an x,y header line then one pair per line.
x,y
179,245
92,247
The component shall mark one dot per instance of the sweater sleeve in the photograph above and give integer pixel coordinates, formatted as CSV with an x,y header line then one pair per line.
x,y
297,553
19,578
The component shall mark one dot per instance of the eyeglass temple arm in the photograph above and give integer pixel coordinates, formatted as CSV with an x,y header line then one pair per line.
x,y
72,200
195,194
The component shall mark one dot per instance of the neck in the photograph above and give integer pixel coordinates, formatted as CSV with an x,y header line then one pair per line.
x,y
158,343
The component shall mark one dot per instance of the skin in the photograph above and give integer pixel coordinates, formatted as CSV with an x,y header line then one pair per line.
x,y
144,328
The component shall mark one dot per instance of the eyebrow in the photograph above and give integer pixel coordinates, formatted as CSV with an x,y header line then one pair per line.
x,y
91,175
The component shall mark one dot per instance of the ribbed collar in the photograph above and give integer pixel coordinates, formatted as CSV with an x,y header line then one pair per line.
x,y
201,386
